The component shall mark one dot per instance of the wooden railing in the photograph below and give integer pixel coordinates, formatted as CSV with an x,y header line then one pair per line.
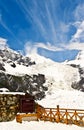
x,y
68,116
26,117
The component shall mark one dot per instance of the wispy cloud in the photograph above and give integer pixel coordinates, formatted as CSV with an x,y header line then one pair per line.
x,y
74,46
77,40
44,18
79,35
79,18
34,15
51,23
31,47
79,12
43,15
48,46
5,26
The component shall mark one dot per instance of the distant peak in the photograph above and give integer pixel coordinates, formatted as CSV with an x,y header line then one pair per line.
x,y
80,55
3,43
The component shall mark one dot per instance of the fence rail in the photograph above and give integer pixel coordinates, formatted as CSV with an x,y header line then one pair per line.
x,y
68,116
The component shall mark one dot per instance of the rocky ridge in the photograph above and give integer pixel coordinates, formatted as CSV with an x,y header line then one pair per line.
x,y
79,64
32,84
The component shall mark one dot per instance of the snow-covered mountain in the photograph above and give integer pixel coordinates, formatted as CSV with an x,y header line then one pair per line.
x,y
78,63
68,98
37,74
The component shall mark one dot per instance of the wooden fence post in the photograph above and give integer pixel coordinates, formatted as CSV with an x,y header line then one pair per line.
x,y
58,114
66,120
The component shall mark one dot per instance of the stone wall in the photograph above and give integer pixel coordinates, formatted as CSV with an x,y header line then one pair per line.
x,y
9,104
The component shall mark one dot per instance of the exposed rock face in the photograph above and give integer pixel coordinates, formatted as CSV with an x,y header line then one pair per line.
x,y
78,63
10,56
1,67
31,84
75,66
80,84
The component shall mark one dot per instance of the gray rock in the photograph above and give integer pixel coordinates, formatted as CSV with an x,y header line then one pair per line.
x,y
24,83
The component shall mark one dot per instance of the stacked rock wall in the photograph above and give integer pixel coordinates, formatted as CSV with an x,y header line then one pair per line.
x,y
9,104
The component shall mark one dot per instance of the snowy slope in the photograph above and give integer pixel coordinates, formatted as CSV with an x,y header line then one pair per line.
x,y
59,79
64,98
57,75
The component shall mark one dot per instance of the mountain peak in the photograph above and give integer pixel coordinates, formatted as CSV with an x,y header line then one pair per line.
x,y
3,43
80,55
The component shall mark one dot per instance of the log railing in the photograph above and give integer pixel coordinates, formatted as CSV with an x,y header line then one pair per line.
x,y
68,116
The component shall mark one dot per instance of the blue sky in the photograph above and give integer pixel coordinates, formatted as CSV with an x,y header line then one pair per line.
x,y
52,28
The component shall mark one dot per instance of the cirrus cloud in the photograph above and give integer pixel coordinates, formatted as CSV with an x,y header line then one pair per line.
x,y
79,35
74,46
31,47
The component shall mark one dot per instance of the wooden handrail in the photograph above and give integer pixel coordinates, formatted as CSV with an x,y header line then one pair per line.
x,y
65,109
62,115
68,116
